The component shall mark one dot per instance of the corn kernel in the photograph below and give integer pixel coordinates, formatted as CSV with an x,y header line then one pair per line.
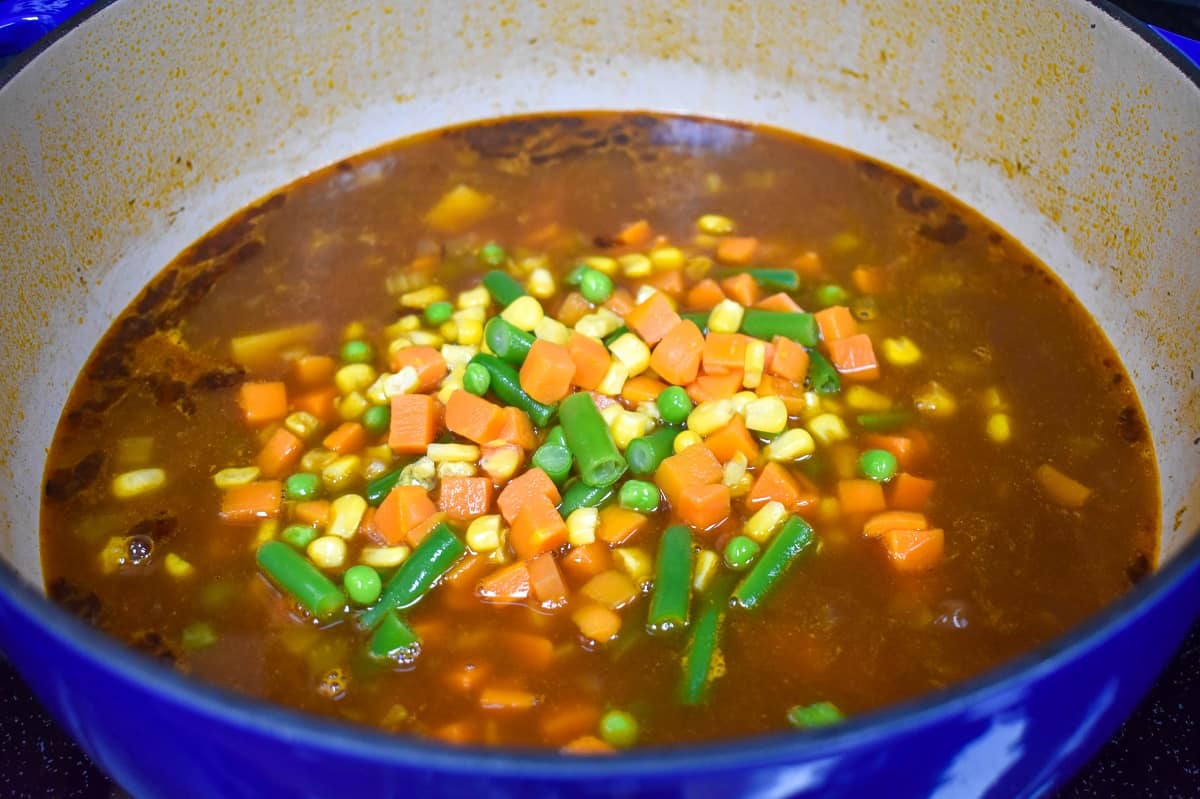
x,y
743,486
177,567
341,473
828,428
502,463
627,426
352,406
475,312
327,552
932,399
635,265
424,338
383,557
610,413
844,242
632,352
697,267
790,445
634,561
667,259
755,363
767,415
483,533
741,399
457,355
236,476
354,330
707,563
900,351
765,521
461,453
602,263
420,472
684,440
376,393
403,382
644,292
999,428
112,555
552,330
478,297
861,398
709,417
398,343
345,513
523,313
614,379
598,324
456,469
735,470
423,298
376,467
354,377
993,401
715,225
317,459
541,283
531,263
581,526
726,317
470,332
405,324
138,483
812,404
448,330
268,529
649,409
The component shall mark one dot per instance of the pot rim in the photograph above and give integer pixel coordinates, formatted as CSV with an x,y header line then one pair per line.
x,y
365,743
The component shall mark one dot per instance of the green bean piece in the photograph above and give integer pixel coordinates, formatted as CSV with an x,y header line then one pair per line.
x,y
830,294
553,459
878,465
301,487
702,646
884,421
818,714
672,596
298,535
295,575
507,340
493,254
590,441
698,318
477,379
779,279
646,452
377,419
394,639
793,540
616,334
432,558
822,377
378,489
438,313
581,495
556,436
503,287
766,325
595,286
357,351
506,384
674,404
639,495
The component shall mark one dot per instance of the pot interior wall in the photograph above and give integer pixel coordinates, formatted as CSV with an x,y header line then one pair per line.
x,y
119,149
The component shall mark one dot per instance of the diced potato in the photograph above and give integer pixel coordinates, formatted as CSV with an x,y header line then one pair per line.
x,y
459,209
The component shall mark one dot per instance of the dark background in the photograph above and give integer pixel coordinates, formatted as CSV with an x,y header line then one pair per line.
x,y
1155,755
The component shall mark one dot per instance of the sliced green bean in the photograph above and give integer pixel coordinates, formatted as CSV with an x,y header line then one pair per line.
x,y
702,646
818,714
672,596
506,385
432,558
293,573
822,376
698,318
590,441
507,340
781,279
394,640
616,334
553,459
884,421
796,325
646,452
503,287
793,539
581,495
378,489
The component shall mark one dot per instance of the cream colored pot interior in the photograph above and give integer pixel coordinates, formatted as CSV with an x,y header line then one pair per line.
x,y
140,130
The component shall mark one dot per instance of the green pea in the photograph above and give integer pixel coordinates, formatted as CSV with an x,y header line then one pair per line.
x,y
298,535
619,729
493,254
740,552
198,635
831,294
595,286
674,405
357,351
574,277
302,486
377,419
477,379
362,584
437,313
878,465
639,495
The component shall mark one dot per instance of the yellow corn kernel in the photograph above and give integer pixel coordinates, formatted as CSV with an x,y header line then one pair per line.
x,y
581,526
354,377
458,453
861,398
614,379
735,470
667,259
352,406
743,486
376,467
634,561
697,267
177,567
755,363
726,317
790,445
765,521
327,552
447,388
541,283
405,324
709,417
456,469
345,513
686,439
707,563
932,399
135,450
138,482
383,557
268,529
999,428
354,330
598,324
844,242
424,338
317,459
470,332
398,343
483,533
900,351
828,428
829,509
645,292
741,399
602,263
993,401
627,426
715,225
236,476
341,473
524,313
632,352
376,393
478,297
529,264
477,314
812,404
403,382
112,555
649,409
457,355
448,330
635,265
552,330
609,414
423,298
501,464
767,415
421,472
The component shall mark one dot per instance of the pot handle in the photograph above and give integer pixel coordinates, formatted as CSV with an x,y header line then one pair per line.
x,y
23,22
1189,47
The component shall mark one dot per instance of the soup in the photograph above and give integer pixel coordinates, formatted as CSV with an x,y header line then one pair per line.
x,y
598,430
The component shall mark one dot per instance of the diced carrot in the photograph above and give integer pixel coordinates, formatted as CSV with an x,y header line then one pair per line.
x,y
619,302
619,525
880,523
428,363
547,371
546,581
836,323
737,250
1063,490
418,532
775,483
567,721
313,371
414,423
596,622
854,357
591,360
613,589
263,403
540,238
869,279
471,417
403,509
788,360
741,288
684,471
732,439
908,492
280,454
533,483
635,234
676,358
792,393
860,496
704,506
587,745
314,512
465,498
318,402
573,308
902,447
461,733
714,387
724,352
468,676
642,388
346,438
653,318
914,550
670,282
534,652
507,584
467,573
808,264
516,428
537,528
705,295
500,460
253,502
586,561
778,302
507,699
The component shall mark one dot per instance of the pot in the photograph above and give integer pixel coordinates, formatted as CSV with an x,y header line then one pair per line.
x,y
134,133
